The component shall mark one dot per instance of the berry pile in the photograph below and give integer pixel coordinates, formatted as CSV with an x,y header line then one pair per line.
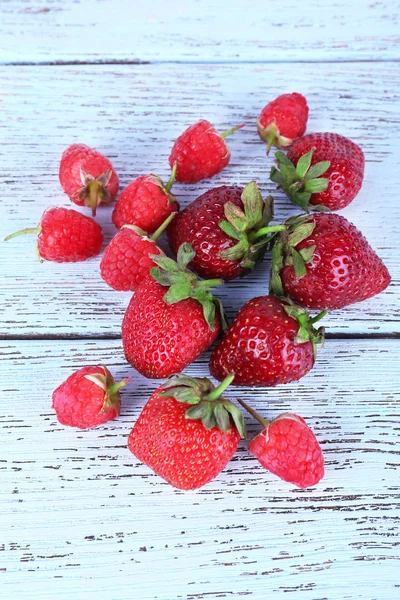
x,y
187,431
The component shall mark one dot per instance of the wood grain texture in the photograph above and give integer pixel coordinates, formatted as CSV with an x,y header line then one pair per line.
x,y
81,515
205,30
118,110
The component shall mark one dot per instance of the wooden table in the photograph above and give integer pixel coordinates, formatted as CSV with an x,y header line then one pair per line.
x,y
81,517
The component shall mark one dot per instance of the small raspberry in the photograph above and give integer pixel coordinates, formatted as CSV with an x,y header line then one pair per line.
x,y
89,397
283,120
200,152
126,260
146,202
65,235
87,176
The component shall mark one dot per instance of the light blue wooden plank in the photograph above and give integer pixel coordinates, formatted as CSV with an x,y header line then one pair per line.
x,y
133,114
205,30
81,517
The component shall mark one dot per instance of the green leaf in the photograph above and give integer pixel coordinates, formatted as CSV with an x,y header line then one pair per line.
x,y
229,229
209,313
302,199
178,292
307,253
268,212
316,185
237,418
277,177
300,233
185,255
187,395
161,276
253,204
282,159
298,264
318,169
165,263
220,309
235,216
198,411
222,417
209,418
235,252
303,164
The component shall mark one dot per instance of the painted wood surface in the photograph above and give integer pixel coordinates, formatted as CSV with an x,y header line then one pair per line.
x,y
117,109
202,30
82,516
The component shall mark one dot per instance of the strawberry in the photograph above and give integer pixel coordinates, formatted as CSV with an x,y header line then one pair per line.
x,y
88,397
323,261
146,202
87,176
200,152
65,235
187,433
227,228
126,260
163,331
271,341
336,157
288,448
283,120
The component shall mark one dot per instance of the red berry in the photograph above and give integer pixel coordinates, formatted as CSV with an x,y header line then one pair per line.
x,y
87,176
89,397
214,223
288,448
185,443
146,202
271,341
65,235
283,120
168,324
126,260
200,152
334,264
338,159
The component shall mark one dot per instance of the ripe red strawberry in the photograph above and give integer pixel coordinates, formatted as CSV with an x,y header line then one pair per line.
x,y
336,157
271,341
227,228
187,433
200,152
126,260
89,397
323,261
283,120
146,202
65,235
163,331
288,448
87,176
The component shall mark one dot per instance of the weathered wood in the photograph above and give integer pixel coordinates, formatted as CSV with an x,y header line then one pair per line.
x,y
206,31
81,513
133,114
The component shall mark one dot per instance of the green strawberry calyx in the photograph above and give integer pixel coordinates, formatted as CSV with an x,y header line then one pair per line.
x,y
166,188
306,332
184,284
300,182
206,402
250,227
94,189
284,252
107,384
272,136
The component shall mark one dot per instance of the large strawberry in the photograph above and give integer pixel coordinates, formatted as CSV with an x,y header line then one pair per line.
x,y
323,261
227,228
65,235
338,159
283,120
200,152
164,330
187,432
87,176
288,448
271,341
146,202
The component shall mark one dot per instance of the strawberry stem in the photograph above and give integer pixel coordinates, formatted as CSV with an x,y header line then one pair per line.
x,y
218,391
318,317
253,413
171,179
117,386
225,134
265,230
22,232
163,227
